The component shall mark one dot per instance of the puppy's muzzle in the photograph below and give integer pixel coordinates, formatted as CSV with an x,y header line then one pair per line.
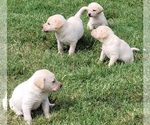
x,y
57,88
89,14
43,29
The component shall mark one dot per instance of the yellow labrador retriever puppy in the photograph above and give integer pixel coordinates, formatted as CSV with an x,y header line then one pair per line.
x,y
30,94
96,15
112,46
66,31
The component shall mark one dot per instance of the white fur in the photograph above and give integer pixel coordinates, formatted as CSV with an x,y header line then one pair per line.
x,y
96,15
112,46
30,94
66,31
4,102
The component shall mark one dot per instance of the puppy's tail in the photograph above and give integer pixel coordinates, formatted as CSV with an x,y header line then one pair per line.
x,y
79,13
135,49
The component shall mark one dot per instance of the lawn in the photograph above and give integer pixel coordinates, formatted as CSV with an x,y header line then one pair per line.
x,y
92,93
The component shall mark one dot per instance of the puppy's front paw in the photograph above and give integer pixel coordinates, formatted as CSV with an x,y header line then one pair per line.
x,y
101,60
109,66
52,101
48,116
60,52
28,122
70,54
27,118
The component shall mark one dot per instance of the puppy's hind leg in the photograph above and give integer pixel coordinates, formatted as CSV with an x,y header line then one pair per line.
x,y
72,48
12,107
113,59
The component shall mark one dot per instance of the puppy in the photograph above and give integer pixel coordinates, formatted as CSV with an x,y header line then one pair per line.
x,y
4,102
30,94
112,46
66,31
96,15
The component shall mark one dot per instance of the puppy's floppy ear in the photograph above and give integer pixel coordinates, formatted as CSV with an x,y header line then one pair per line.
x,y
103,33
39,82
100,9
59,24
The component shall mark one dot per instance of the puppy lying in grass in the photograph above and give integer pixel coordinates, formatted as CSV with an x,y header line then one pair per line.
x,y
66,31
30,94
96,15
112,46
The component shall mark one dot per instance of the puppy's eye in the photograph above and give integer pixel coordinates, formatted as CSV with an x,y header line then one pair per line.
x,y
48,23
94,10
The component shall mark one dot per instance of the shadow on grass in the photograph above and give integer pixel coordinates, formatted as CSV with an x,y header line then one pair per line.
x,y
64,104
85,43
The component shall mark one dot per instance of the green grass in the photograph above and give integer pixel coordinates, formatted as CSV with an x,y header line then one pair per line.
x,y
92,93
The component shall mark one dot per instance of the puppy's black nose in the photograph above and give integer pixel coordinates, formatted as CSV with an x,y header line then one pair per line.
x,y
89,14
60,86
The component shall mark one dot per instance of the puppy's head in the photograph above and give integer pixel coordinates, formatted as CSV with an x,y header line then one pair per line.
x,y
54,23
94,9
101,33
46,81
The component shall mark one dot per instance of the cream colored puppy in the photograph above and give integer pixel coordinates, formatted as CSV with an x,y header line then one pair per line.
x,y
96,15
66,31
32,93
112,46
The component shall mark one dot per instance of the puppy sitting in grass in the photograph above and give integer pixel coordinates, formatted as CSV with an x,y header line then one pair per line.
x,y
32,93
112,46
96,15
66,31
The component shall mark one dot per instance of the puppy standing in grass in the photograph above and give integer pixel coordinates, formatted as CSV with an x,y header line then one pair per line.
x,y
96,15
112,46
66,31
30,94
